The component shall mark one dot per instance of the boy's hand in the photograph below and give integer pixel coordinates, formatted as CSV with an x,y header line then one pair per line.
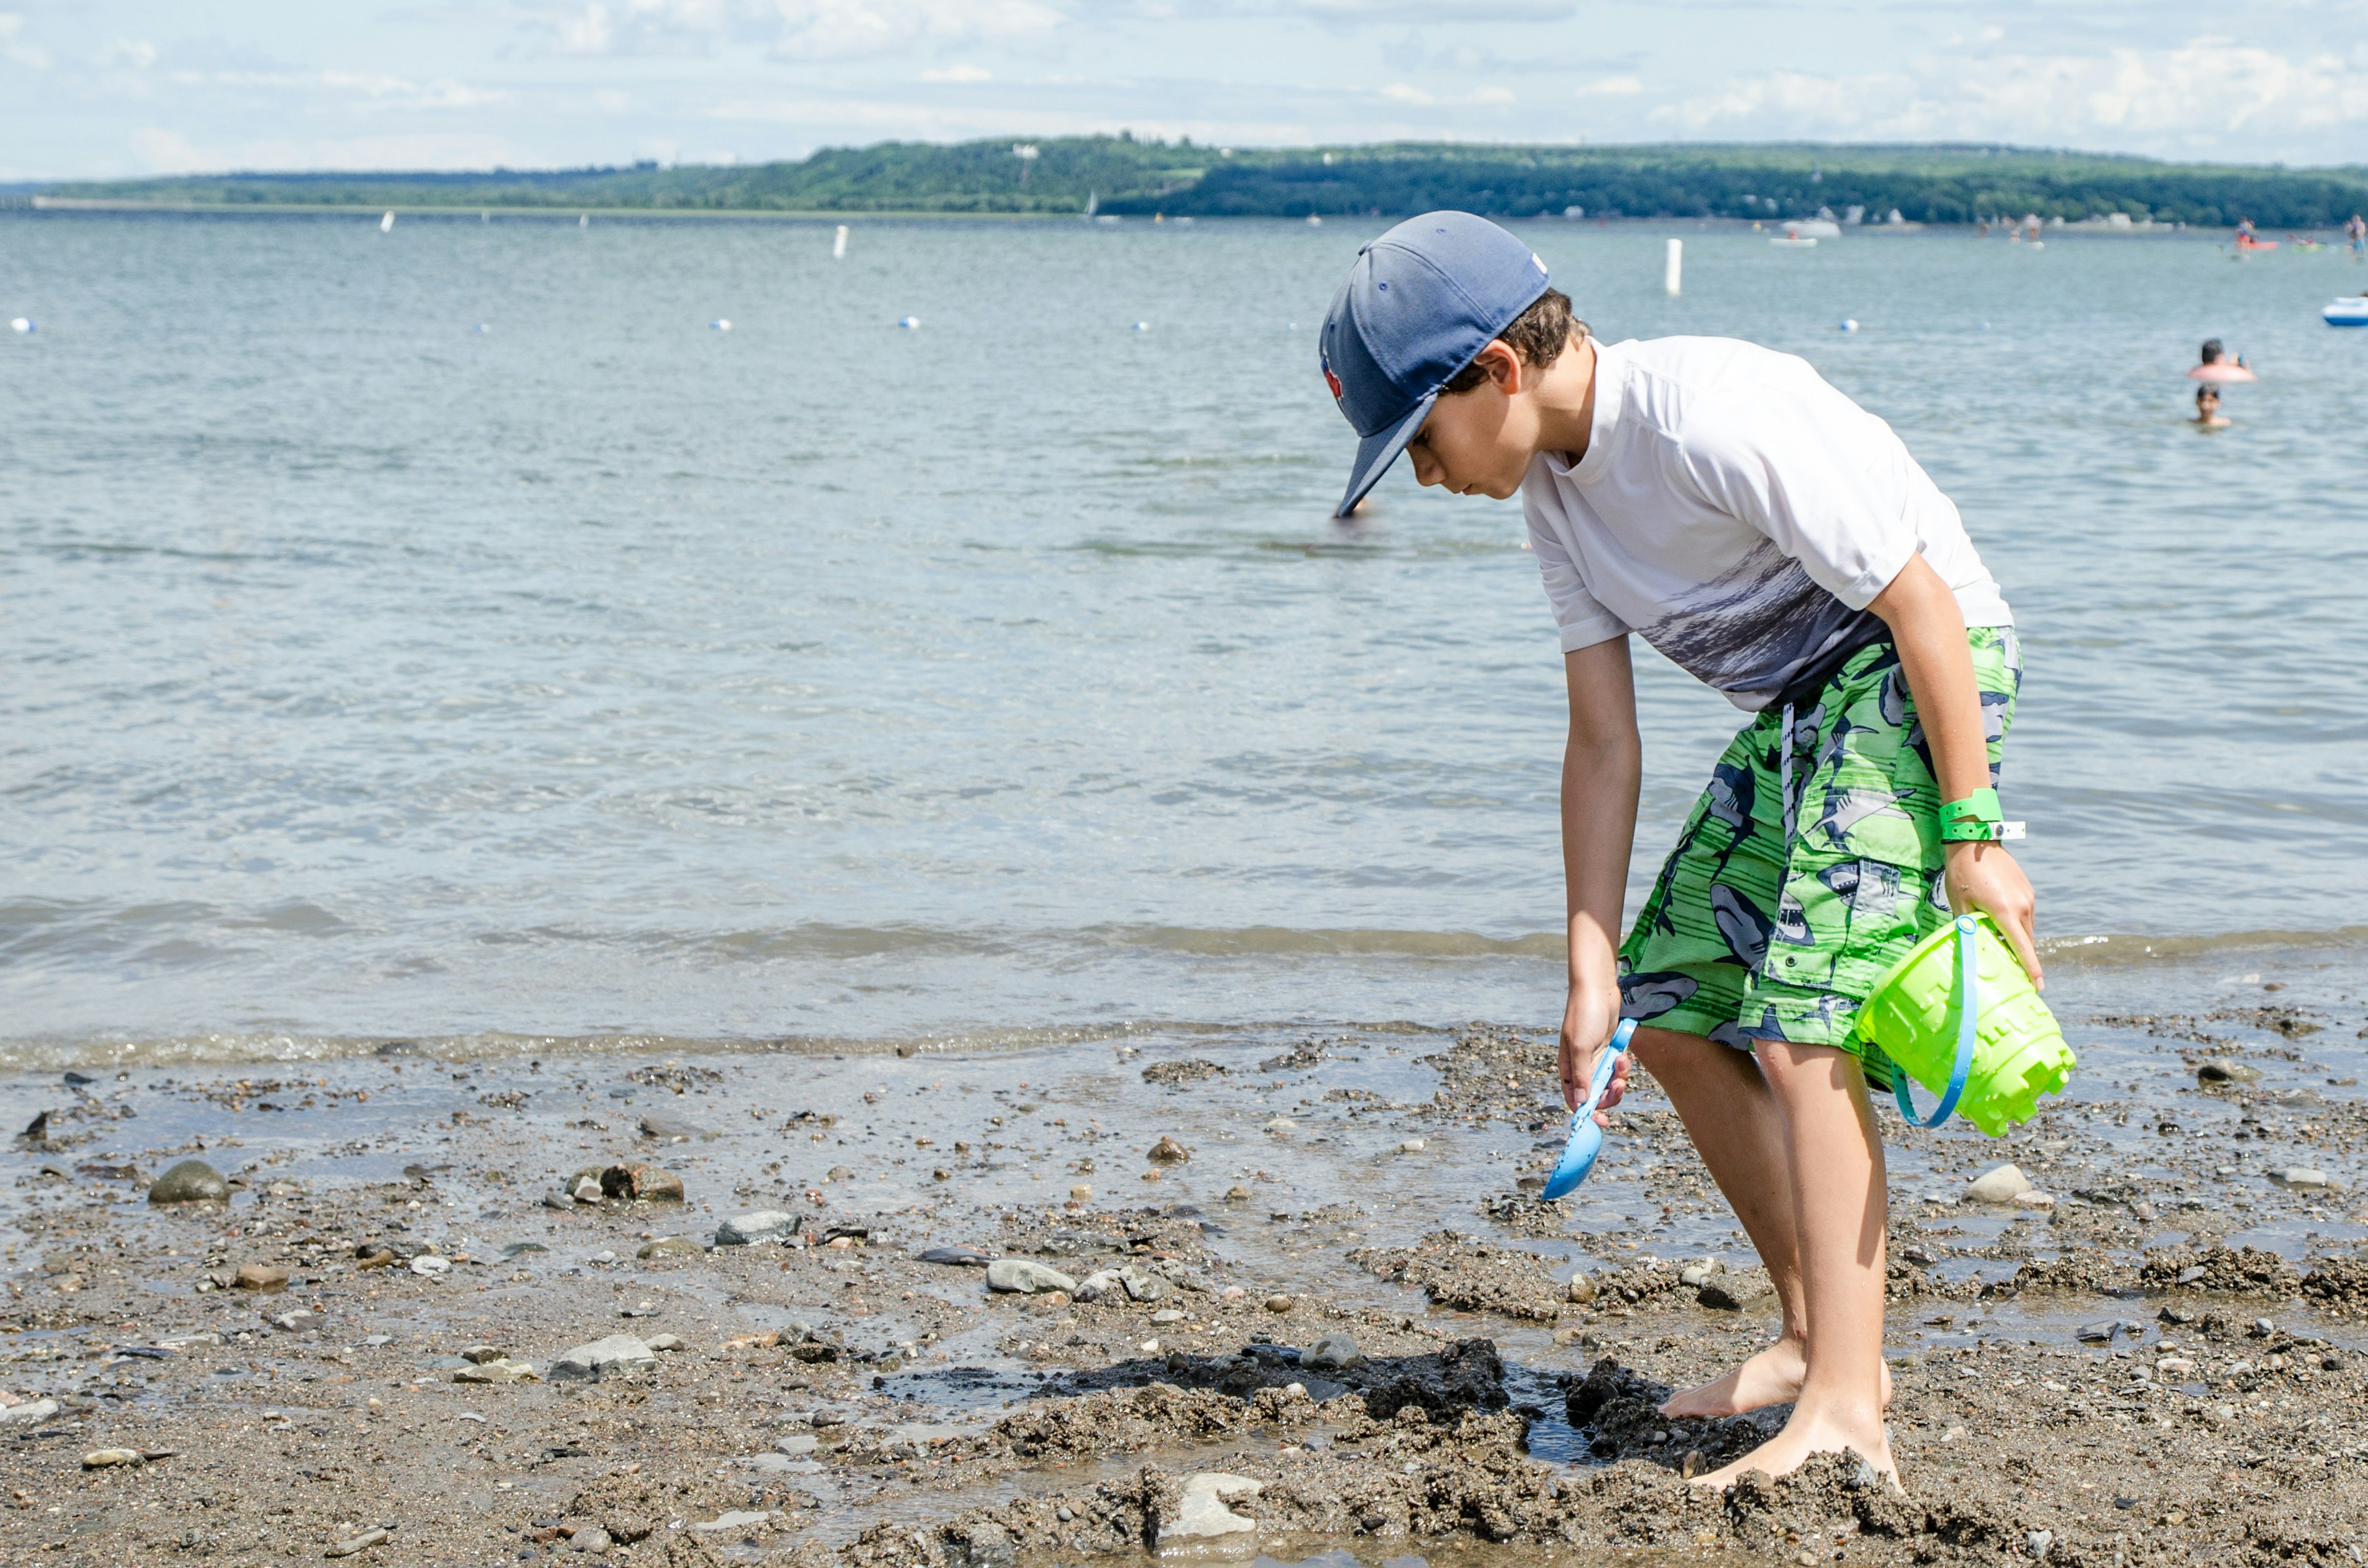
x,y
1984,876
1586,1023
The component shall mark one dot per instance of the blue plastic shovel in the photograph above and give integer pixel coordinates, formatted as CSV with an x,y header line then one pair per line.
x,y
1585,1138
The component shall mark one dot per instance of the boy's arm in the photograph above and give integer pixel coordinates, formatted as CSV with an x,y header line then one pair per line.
x,y
1602,767
1930,636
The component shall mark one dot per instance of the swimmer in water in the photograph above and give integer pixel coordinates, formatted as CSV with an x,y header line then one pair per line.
x,y
2356,232
2207,409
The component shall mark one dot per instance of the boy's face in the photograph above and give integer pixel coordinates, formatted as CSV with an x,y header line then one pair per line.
x,y
1480,442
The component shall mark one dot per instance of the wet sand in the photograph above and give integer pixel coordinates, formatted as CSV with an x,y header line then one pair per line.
x,y
2165,1365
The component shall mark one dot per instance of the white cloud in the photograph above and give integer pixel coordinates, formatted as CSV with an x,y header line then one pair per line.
x,y
959,74
124,51
31,55
790,29
2205,97
1401,92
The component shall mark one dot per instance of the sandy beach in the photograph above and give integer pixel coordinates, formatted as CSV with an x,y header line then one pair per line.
x,y
1344,1302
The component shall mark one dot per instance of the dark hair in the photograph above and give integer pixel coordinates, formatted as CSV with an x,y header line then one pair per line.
x,y
1537,335
2212,351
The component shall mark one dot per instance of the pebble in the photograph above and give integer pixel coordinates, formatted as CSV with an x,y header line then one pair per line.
x,y
1278,1303
2227,1073
645,1183
1168,1152
1171,1314
2000,1184
1334,1352
100,1459
1023,1276
1733,1292
497,1369
671,1247
427,1265
797,1444
2034,1200
478,1354
1695,1274
1238,1195
361,1542
304,1320
594,1539
261,1277
959,1258
2302,1177
1200,1511
1081,1194
2099,1333
1232,1294
762,1225
2040,1542
28,1413
672,1129
617,1353
192,1181
1411,1146
665,1344
1581,1289
587,1190
1281,1125
557,1200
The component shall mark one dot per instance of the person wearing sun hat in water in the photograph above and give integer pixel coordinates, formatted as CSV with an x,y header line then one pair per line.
x,y
1777,541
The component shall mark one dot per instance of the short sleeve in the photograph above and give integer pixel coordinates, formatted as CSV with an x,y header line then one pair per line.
x,y
1582,619
1818,475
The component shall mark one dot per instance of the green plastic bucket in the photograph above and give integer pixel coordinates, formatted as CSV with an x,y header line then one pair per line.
x,y
1991,1073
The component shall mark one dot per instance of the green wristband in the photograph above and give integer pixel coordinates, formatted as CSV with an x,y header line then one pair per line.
x,y
1975,819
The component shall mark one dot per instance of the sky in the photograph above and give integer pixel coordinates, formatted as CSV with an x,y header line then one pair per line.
x,y
95,88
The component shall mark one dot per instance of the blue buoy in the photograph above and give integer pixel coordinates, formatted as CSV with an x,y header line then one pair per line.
x,y
1142,327
909,322
1850,323
719,324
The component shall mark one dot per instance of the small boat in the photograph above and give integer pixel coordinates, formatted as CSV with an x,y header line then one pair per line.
x,y
2352,311
2246,243
1792,241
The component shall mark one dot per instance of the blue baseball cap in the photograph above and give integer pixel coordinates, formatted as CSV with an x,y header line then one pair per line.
x,y
1421,303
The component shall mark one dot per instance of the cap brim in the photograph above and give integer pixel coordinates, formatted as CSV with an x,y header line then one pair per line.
x,y
1378,450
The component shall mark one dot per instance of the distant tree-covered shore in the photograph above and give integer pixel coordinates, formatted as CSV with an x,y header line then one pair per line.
x,y
1119,175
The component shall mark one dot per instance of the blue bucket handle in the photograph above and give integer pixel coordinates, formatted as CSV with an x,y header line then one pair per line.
x,y
1968,1016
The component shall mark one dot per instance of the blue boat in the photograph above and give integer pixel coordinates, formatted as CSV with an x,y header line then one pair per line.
x,y
2346,313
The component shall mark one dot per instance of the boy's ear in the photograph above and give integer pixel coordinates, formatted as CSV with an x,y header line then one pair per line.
x,y
1505,366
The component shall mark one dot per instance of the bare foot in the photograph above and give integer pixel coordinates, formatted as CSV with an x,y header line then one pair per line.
x,y
1823,1430
1773,1377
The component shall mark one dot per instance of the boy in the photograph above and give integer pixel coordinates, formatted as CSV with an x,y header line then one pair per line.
x,y
1777,541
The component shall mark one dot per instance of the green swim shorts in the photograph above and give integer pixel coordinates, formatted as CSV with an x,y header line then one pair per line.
x,y
1811,864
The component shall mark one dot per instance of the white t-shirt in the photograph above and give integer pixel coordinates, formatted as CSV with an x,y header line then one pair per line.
x,y
1738,514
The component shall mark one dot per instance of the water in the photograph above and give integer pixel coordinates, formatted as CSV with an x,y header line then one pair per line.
x,y
600,673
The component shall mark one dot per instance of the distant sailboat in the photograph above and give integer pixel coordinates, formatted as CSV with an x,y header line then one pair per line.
x,y
1093,201
386,224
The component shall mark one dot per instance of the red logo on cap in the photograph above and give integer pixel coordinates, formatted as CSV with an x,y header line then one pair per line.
x,y
1333,382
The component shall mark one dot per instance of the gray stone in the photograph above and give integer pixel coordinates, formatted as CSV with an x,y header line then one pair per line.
x,y
763,1225
1201,1512
592,1539
667,1343
2303,1178
1141,1286
557,1200
2040,1542
1169,1314
2227,1073
361,1542
29,1413
1733,1292
192,1181
2000,1184
1695,1274
673,1128
617,1353
1334,1352
1023,1276
982,1545
957,1257
798,1445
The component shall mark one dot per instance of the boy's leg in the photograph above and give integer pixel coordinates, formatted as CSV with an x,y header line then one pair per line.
x,y
1737,1127
1834,1159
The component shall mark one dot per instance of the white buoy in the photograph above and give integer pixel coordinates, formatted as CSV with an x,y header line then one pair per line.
x,y
909,324
483,328
719,324
1673,271
838,244
21,323
386,223
584,220
1850,323
1314,222
1142,327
